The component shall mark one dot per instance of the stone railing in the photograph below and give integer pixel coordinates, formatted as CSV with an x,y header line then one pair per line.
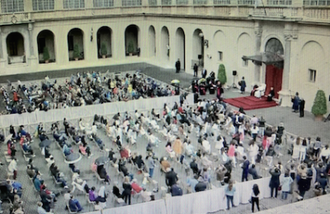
x,y
191,8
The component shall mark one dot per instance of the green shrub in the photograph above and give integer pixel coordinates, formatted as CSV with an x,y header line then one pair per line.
x,y
104,51
320,104
46,54
222,77
76,52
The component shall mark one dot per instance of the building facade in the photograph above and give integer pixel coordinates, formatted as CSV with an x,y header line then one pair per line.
x,y
282,43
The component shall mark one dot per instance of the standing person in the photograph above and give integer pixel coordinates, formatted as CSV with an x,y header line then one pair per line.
x,y
127,190
253,152
204,73
195,70
255,197
151,165
295,102
286,185
177,148
302,150
262,124
254,131
304,185
243,85
229,193
219,90
245,169
302,107
12,167
178,66
274,182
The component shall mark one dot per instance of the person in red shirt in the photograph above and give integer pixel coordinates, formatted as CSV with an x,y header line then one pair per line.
x,y
135,186
15,97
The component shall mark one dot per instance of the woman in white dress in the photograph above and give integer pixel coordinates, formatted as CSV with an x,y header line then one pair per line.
x,y
302,150
296,149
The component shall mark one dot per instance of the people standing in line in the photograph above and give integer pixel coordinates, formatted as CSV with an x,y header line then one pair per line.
x,y
286,185
274,182
243,85
195,70
255,197
230,190
295,102
254,132
302,107
302,150
178,66
304,185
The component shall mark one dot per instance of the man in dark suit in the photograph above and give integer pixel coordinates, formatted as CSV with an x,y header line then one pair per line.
x,y
195,70
245,168
171,177
204,73
178,66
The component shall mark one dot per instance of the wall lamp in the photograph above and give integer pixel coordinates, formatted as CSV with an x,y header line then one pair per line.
x,y
206,43
91,34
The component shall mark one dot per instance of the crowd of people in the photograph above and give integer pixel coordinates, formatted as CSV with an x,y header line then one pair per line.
x,y
206,140
81,89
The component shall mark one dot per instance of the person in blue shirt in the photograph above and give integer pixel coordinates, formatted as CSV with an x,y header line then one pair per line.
x,y
192,182
74,205
37,182
66,150
230,190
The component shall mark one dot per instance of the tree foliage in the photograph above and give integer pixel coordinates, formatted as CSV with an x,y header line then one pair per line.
x,y
320,104
222,76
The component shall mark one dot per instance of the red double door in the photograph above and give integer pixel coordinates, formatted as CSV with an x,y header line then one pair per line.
x,y
273,79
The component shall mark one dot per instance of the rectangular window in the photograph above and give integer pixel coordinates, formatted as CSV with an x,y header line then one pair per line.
x,y
220,55
166,2
246,2
316,2
152,2
181,2
73,4
200,1
221,2
39,5
312,75
279,2
129,3
102,3
12,6
245,62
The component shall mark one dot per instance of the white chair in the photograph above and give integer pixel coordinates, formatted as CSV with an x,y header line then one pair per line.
x,y
67,204
90,203
99,178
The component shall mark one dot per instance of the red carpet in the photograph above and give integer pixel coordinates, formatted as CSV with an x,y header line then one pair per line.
x,y
250,102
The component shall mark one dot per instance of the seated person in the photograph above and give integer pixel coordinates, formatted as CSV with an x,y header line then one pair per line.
x,y
74,205
116,192
135,186
66,150
271,94
201,185
31,173
164,164
98,141
43,136
92,195
37,182
255,87
147,196
77,182
139,162
111,156
122,167
192,182
194,166
84,149
27,148
102,197
103,173
74,168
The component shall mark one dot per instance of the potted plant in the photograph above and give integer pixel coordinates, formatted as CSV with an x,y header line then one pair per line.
x,y
222,77
319,107
76,52
130,48
104,51
46,55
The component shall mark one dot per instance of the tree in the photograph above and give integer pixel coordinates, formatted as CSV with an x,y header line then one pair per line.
x,y
104,51
130,48
46,54
320,104
76,52
222,77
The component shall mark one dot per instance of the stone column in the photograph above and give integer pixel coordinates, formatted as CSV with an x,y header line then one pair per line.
x,y
258,33
32,58
285,93
2,59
